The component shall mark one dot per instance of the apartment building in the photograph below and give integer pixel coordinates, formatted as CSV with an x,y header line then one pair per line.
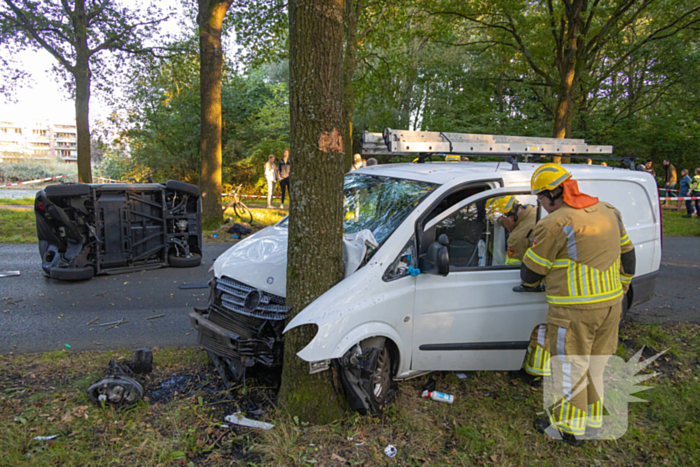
x,y
38,140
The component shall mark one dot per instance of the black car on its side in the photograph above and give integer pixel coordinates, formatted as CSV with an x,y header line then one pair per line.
x,y
86,229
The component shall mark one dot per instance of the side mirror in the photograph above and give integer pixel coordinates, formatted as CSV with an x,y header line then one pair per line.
x,y
437,259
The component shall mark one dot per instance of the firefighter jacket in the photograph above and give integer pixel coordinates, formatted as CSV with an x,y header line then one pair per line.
x,y
578,250
519,237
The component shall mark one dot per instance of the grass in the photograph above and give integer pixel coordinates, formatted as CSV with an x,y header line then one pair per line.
x,y
261,218
17,226
490,422
13,202
677,226
33,169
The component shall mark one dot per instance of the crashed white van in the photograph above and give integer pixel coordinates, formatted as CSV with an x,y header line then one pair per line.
x,y
417,301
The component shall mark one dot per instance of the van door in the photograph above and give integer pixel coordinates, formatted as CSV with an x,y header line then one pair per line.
x,y
471,319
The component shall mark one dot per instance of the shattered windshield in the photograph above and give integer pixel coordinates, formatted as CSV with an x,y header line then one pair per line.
x,y
380,204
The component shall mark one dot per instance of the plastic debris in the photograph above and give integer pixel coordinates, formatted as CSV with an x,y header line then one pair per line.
x,y
9,273
193,286
67,346
438,396
461,375
390,451
45,438
215,235
238,419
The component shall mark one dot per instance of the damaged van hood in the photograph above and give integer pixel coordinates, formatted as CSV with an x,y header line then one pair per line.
x,y
259,261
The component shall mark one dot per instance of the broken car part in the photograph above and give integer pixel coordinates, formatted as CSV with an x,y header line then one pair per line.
x,y
87,229
119,387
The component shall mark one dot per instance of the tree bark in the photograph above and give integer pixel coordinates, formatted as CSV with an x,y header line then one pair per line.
x,y
314,255
352,12
211,57
82,75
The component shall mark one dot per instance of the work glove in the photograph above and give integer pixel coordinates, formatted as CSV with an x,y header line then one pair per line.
x,y
524,288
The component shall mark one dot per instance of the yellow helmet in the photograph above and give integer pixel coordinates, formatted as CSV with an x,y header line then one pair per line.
x,y
548,177
500,206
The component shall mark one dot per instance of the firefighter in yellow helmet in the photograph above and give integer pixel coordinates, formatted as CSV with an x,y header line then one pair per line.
x,y
588,260
519,220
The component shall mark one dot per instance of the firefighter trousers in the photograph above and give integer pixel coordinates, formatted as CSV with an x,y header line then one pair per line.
x,y
537,357
580,343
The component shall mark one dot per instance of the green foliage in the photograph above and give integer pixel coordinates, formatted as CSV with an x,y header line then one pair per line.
x,y
32,170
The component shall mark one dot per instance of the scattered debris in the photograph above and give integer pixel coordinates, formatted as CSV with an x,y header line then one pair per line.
x,y
45,438
116,325
461,375
119,387
9,273
67,346
336,457
430,385
153,317
92,321
240,229
390,451
101,294
359,444
193,286
238,419
438,396
121,321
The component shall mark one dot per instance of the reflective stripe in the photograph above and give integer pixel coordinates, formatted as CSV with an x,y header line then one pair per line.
x,y
513,262
589,299
538,259
570,241
584,278
561,263
540,334
566,369
625,240
625,279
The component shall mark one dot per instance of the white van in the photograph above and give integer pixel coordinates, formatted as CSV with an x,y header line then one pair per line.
x,y
383,323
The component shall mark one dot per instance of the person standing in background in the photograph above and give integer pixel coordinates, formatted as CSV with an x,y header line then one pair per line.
x,y
694,190
670,179
358,163
271,178
686,181
283,170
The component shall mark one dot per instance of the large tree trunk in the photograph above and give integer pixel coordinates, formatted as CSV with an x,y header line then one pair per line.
x,y
315,256
352,12
82,75
211,57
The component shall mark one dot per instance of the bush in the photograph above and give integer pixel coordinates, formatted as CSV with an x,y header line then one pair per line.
x,y
31,170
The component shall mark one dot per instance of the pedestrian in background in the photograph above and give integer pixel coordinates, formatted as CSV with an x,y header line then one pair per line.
x,y
358,163
649,168
670,179
694,190
283,170
684,191
271,178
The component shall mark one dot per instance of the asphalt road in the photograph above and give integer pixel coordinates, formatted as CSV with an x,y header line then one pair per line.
x,y
39,314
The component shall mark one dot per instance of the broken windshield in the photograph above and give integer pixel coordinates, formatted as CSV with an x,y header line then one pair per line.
x,y
379,204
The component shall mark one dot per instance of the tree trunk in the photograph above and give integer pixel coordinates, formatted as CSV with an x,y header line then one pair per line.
x,y
211,57
82,74
315,255
567,69
352,12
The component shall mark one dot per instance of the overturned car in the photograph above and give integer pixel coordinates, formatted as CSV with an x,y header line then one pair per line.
x,y
88,229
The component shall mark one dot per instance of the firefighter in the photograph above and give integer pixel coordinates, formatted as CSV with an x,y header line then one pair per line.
x,y
584,252
519,220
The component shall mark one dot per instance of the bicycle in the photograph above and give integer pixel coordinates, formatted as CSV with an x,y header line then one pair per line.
x,y
241,210
143,178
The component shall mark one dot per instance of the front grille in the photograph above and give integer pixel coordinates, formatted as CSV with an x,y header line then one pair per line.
x,y
233,294
246,327
210,343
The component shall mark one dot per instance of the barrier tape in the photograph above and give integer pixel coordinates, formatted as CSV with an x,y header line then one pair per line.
x,y
667,189
681,198
249,196
38,180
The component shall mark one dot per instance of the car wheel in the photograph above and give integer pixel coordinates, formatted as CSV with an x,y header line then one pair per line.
x,y
195,259
368,378
182,187
72,274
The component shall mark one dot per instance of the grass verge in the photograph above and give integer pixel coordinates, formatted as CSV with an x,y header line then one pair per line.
x,y
17,226
262,218
675,225
13,202
490,422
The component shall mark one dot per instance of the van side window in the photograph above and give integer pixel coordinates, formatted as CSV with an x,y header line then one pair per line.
x,y
477,238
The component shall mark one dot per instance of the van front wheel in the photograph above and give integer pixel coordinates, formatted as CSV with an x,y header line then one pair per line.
x,y
366,372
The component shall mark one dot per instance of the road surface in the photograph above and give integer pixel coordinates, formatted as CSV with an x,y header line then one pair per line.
x,y
39,314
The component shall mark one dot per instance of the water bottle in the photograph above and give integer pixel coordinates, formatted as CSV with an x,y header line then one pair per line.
x,y
439,396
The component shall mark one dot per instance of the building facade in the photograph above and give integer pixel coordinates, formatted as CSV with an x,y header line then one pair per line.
x,y
38,140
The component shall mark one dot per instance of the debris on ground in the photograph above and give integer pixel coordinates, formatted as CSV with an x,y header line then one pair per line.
x,y
45,438
461,375
92,321
115,323
119,386
438,396
390,451
153,317
9,273
240,229
430,385
240,420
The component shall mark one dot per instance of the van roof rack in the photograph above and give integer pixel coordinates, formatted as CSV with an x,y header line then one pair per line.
x,y
427,143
